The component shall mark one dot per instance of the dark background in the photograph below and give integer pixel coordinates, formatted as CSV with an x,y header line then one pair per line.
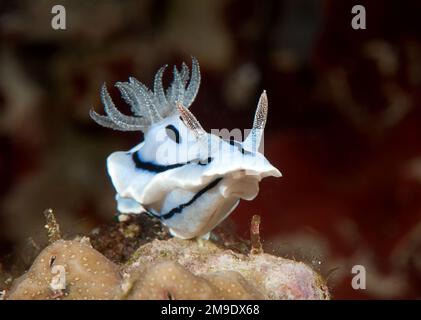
x,y
343,126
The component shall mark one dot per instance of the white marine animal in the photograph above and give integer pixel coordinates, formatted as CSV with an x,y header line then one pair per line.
x,y
191,180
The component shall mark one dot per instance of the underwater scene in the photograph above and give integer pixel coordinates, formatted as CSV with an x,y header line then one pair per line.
x,y
210,150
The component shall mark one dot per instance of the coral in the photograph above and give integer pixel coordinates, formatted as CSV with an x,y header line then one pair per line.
x,y
231,285
161,267
254,275
169,280
86,274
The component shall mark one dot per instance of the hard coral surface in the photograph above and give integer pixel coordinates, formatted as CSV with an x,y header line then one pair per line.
x,y
86,274
166,269
255,275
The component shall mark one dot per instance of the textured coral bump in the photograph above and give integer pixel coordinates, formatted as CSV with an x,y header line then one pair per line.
x,y
170,269
86,273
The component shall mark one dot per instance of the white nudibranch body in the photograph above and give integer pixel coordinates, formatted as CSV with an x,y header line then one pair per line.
x,y
191,180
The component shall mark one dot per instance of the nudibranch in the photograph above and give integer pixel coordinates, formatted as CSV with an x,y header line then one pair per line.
x,y
189,179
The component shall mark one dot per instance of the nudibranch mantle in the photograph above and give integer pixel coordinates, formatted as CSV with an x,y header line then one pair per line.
x,y
191,180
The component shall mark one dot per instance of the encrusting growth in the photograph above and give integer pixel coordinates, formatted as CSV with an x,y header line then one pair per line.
x,y
256,245
85,273
53,228
171,269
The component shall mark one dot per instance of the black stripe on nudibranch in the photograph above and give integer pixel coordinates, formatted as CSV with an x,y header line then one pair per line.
x,y
158,168
204,163
150,166
180,208
176,136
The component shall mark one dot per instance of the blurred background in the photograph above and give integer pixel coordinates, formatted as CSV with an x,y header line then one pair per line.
x,y
343,126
